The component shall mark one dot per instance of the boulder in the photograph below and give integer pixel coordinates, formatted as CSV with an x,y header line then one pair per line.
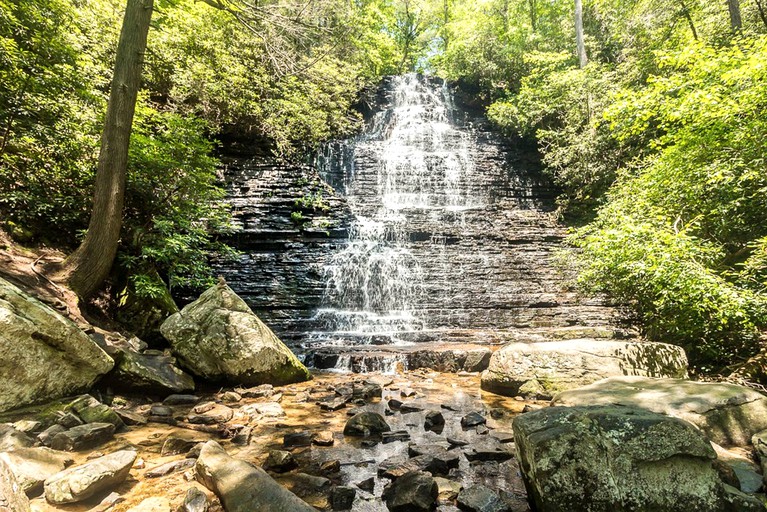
x,y
32,466
81,482
219,338
728,414
615,459
241,486
413,492
153,373
45,355
12,497
544,369
365,424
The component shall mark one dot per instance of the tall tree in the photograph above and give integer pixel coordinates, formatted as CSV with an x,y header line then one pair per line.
x,y
87,267
736,22
579,42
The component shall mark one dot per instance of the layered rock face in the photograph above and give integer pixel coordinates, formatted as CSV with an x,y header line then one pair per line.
x,y
426,228
44,355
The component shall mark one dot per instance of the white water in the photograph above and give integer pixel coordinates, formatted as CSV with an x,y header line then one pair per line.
x,y
422,160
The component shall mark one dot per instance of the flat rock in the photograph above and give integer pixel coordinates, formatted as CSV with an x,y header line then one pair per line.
x,y
397,435
728,414
544,369
448,489
618,459
181,399
365,424
242,487
293,439
170,467
32,466
398,465
486,452
12,496
219,413
81,482
45,355
473,419
83,437
324,438
219,338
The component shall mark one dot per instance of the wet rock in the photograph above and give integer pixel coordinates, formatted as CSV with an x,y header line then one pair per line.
x,y
397,435
551,367
449,458
154,504
330,466
433,420
342,497
12,497
453,441
472,420
170,467
11,438
81,482
181,399
303,438
406,408
479,498
367,484
33,465
413,492
367,390
394,404
195,501
242,487
310,483
618,459
218,337
448,489
280,461
487,452
727,413
83,437
46,436
175,445
91,410
365,424
334,405
45,355
217,414
398,465
324,438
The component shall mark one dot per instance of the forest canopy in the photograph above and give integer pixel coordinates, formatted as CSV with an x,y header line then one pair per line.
x,y
647,115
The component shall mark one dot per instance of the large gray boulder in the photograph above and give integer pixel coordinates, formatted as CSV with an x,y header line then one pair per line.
x,y
219,338
727,413
32,466
12,497
241,486
44,355
81,482
544,369
615,459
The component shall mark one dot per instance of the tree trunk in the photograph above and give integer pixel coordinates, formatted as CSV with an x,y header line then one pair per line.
x,y
580,44
86,269
736,22
688,17
762,14
533,15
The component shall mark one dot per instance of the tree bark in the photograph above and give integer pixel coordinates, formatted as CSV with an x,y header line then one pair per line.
x,y
86,269
579,42
688,17
533,15
736,22
762,14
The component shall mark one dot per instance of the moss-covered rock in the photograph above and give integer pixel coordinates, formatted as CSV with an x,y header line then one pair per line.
x,y
219,338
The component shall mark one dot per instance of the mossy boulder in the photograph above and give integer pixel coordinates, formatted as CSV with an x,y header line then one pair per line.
x,y
218,337
45,355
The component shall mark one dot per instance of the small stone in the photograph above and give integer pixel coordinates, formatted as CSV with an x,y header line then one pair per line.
x,y
181,400
454,441
367,390
398,465
407,393
448,489
330,466
397,435
231,397
369,443
242,438
28,426
503,437
487,453
139,464
448,458
204,407
160,410
280,461
333,405
409,407
262,391
342,497
433,419
324,438
83,437
368,484
170,467
210,415
394,404
131,418
479,498
294,439
195,501
167,420
472,420
497,413
46,436
175,445
69,420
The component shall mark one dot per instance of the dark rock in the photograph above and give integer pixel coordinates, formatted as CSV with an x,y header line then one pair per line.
x,y
367,390
365,424
181,399
176,445
369,443
456,442
407,393
242,487
83,437
413,492
394,404
397,435
79,483
242,438
398,465
303,438
167,420
433,420
280,461
368,484
483,452
161,410
449,458
406,408
472,420
131,418
46,436
91,410
69,420
170,467
330,466
503,437
479,498
195,501
342,497
137,372
333,405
